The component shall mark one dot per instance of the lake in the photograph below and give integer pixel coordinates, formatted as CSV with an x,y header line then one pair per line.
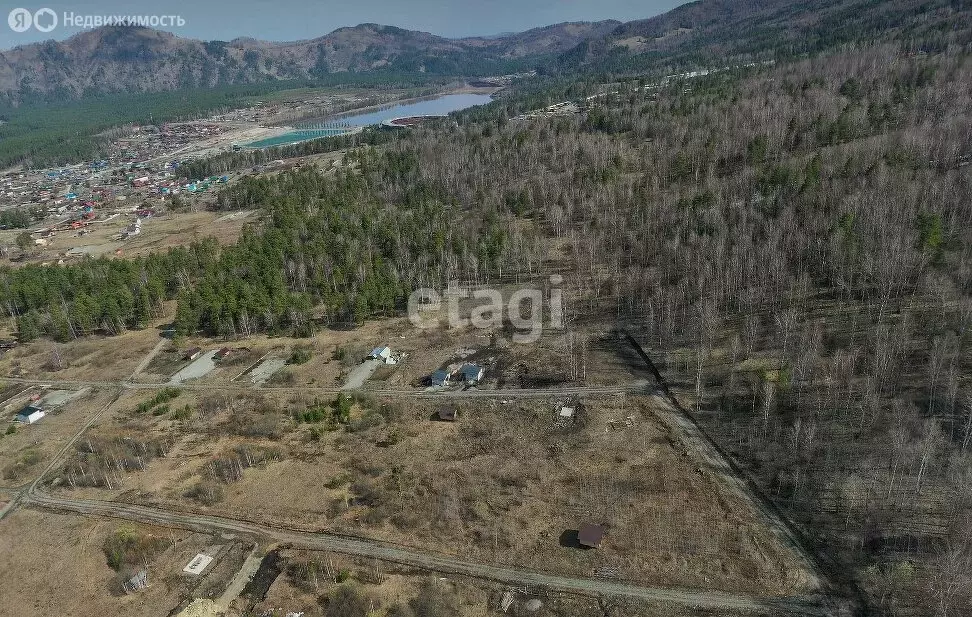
x,y
337,125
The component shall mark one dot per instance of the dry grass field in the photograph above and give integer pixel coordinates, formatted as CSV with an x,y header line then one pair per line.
x,y
159,233
55,564
29,449
502,484
93,358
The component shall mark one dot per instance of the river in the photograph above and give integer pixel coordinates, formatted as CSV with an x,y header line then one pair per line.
x,y
343,123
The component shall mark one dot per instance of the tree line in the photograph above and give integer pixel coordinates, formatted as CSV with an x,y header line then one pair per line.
x,y
331,249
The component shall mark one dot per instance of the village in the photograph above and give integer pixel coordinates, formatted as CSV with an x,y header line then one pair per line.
x,y
91,208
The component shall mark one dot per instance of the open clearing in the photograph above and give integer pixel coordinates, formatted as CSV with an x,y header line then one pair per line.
x,y
96,357
307,582
158,233
27,451
394,473
54,564
200,367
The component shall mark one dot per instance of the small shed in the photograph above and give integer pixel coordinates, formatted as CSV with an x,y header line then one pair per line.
x,y
441,378
30,414
222,353
590,535
448,413
193,353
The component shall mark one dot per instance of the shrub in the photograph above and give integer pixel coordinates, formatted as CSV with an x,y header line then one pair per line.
x,y
128,547
369,420
182,413
435,599
337,481
300,355
229,467
157,404
347,600
283,378
206,492
399,610
342,408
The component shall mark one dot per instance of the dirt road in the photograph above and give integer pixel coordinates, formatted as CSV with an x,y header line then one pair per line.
x,y
635,386
435,562
360,374
149,357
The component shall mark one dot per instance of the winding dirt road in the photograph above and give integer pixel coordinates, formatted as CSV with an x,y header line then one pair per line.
x,y
435,562
638,386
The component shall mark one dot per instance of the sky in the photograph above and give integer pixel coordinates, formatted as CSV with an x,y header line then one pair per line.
x,y
289,20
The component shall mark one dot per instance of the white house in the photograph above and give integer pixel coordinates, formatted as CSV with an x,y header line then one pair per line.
x,y
30,414
383,354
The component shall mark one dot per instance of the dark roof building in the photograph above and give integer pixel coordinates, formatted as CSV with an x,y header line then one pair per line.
x,y
448,413
472,373
590,535
30,414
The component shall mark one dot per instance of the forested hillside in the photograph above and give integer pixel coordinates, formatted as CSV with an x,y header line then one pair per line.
x,y
331,250
792,242
718,33
794,246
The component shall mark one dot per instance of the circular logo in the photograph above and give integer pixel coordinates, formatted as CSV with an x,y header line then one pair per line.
x,y
45,20
20,20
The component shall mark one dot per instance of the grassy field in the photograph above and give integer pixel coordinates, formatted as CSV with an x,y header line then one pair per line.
x,y
390,471
57,564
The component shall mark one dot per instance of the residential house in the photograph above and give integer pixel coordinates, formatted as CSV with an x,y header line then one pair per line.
x,y
472,373
441,378
383,354
30,414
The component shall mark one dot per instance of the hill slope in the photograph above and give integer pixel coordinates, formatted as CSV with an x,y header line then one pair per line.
x,y
136,59
714,31
125,59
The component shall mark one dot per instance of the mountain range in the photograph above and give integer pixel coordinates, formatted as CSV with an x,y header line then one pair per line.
x,y
134,59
